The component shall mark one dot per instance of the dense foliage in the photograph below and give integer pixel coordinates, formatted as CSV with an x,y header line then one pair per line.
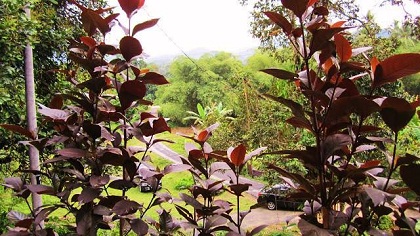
x,y
51,25
340,149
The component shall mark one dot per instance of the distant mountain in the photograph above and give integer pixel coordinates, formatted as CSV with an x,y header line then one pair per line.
x,y
165,60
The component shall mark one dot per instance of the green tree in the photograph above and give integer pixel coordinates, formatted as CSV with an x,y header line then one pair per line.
x,y
51,26
210,79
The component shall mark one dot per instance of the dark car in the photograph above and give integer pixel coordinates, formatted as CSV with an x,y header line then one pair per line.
x,y
277,197
146,184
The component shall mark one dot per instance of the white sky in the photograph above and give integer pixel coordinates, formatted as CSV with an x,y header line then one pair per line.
x,y
221,25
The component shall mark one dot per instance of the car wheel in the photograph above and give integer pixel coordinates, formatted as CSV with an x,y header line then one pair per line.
x,y
271,205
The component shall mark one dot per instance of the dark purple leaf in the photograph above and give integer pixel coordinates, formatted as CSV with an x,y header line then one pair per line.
x,y
72,152
297,6
396,113
333,143
98,181
302,181
130,6
130,47
256,230
144,25
175,168
345,106
41,189
321,38
131,91
238,189
126,207
18,129
281,74
154,78
396,67
121,184
102,210
43,214
377,196
15,216
139,227
407,159
88,194
409,174
14,183
280,21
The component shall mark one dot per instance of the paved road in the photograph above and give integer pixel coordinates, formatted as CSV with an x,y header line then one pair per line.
x,y
167,153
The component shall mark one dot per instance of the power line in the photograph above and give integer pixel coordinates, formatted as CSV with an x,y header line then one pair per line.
x,y
174,43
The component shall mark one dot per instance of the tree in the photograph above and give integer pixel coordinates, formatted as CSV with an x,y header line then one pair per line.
x,y
210,79
336,114
51,25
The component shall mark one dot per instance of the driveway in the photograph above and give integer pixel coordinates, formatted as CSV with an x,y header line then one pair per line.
x,y
263,216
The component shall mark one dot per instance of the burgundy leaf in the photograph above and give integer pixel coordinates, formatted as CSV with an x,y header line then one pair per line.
x,y
281,74
396,113
396,67
343,47
72,152
238,189
302,181
144,25
15,216
321,38
130,47
25,223
139,226
256,230
14,183
407,159
409,174
280,21
126,207
41,189
345,106
54,114
121,184
154,126
297,6
130,6
98,181
43,214
237,155
175,168
335,142
88,194
130,91
18,129
300,123
154,78
377,196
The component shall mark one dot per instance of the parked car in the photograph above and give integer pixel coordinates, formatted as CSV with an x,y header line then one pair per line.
x,y
146,185
277,197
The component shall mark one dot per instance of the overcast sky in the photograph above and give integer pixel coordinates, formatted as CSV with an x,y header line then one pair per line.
x,y
222,25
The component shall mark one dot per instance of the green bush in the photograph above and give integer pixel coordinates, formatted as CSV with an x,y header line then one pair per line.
x,y
184,183
385,222
4,222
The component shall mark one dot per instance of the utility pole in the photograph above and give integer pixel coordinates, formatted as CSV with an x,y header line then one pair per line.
x,y
31,116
